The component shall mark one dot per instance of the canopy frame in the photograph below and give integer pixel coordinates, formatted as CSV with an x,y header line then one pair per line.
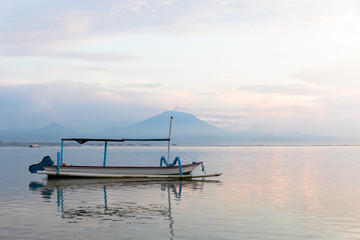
x,y
106,140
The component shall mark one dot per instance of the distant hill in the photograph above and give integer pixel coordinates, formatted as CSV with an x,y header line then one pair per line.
x,y
186,129
52,132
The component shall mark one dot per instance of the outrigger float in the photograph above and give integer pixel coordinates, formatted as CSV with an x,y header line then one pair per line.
x,y
168,171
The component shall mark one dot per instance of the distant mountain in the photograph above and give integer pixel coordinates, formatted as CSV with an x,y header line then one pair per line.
x,y
184,124
52,132
186,129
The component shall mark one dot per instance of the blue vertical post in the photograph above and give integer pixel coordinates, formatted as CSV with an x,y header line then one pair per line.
x,y
62,149
180,189
180,169
105,199
105,150
60,201
58,162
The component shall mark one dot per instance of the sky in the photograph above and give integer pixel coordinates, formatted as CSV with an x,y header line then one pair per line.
x,y
274,66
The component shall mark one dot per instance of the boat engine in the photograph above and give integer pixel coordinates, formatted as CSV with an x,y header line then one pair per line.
x,y
40,166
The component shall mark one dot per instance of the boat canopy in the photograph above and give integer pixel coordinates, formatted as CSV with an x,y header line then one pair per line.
x,y
84,140
106,140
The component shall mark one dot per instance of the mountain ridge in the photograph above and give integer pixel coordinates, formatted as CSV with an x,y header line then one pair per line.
x,y
185,126
186,129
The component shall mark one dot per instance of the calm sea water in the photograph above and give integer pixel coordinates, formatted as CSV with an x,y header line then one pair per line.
x,y
266,192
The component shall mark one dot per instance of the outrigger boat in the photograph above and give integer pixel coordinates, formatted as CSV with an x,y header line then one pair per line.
x,y
168,171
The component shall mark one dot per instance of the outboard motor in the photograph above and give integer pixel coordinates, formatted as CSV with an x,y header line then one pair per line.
x,y
40,166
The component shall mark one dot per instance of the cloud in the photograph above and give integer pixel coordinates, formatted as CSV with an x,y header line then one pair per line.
x,y
294,89
279,109
75,105
228,121
341,75
142,85
84,56
98,57
90,107
39,26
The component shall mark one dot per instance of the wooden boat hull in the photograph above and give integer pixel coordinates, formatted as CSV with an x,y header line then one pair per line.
x,y
52,174
98,171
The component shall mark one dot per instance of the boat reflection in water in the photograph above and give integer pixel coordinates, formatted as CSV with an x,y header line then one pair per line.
x,y
116,200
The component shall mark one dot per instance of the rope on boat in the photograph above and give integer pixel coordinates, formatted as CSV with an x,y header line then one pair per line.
x,y
203,168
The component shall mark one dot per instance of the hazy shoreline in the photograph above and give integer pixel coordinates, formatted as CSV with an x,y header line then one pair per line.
x,y
54,144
